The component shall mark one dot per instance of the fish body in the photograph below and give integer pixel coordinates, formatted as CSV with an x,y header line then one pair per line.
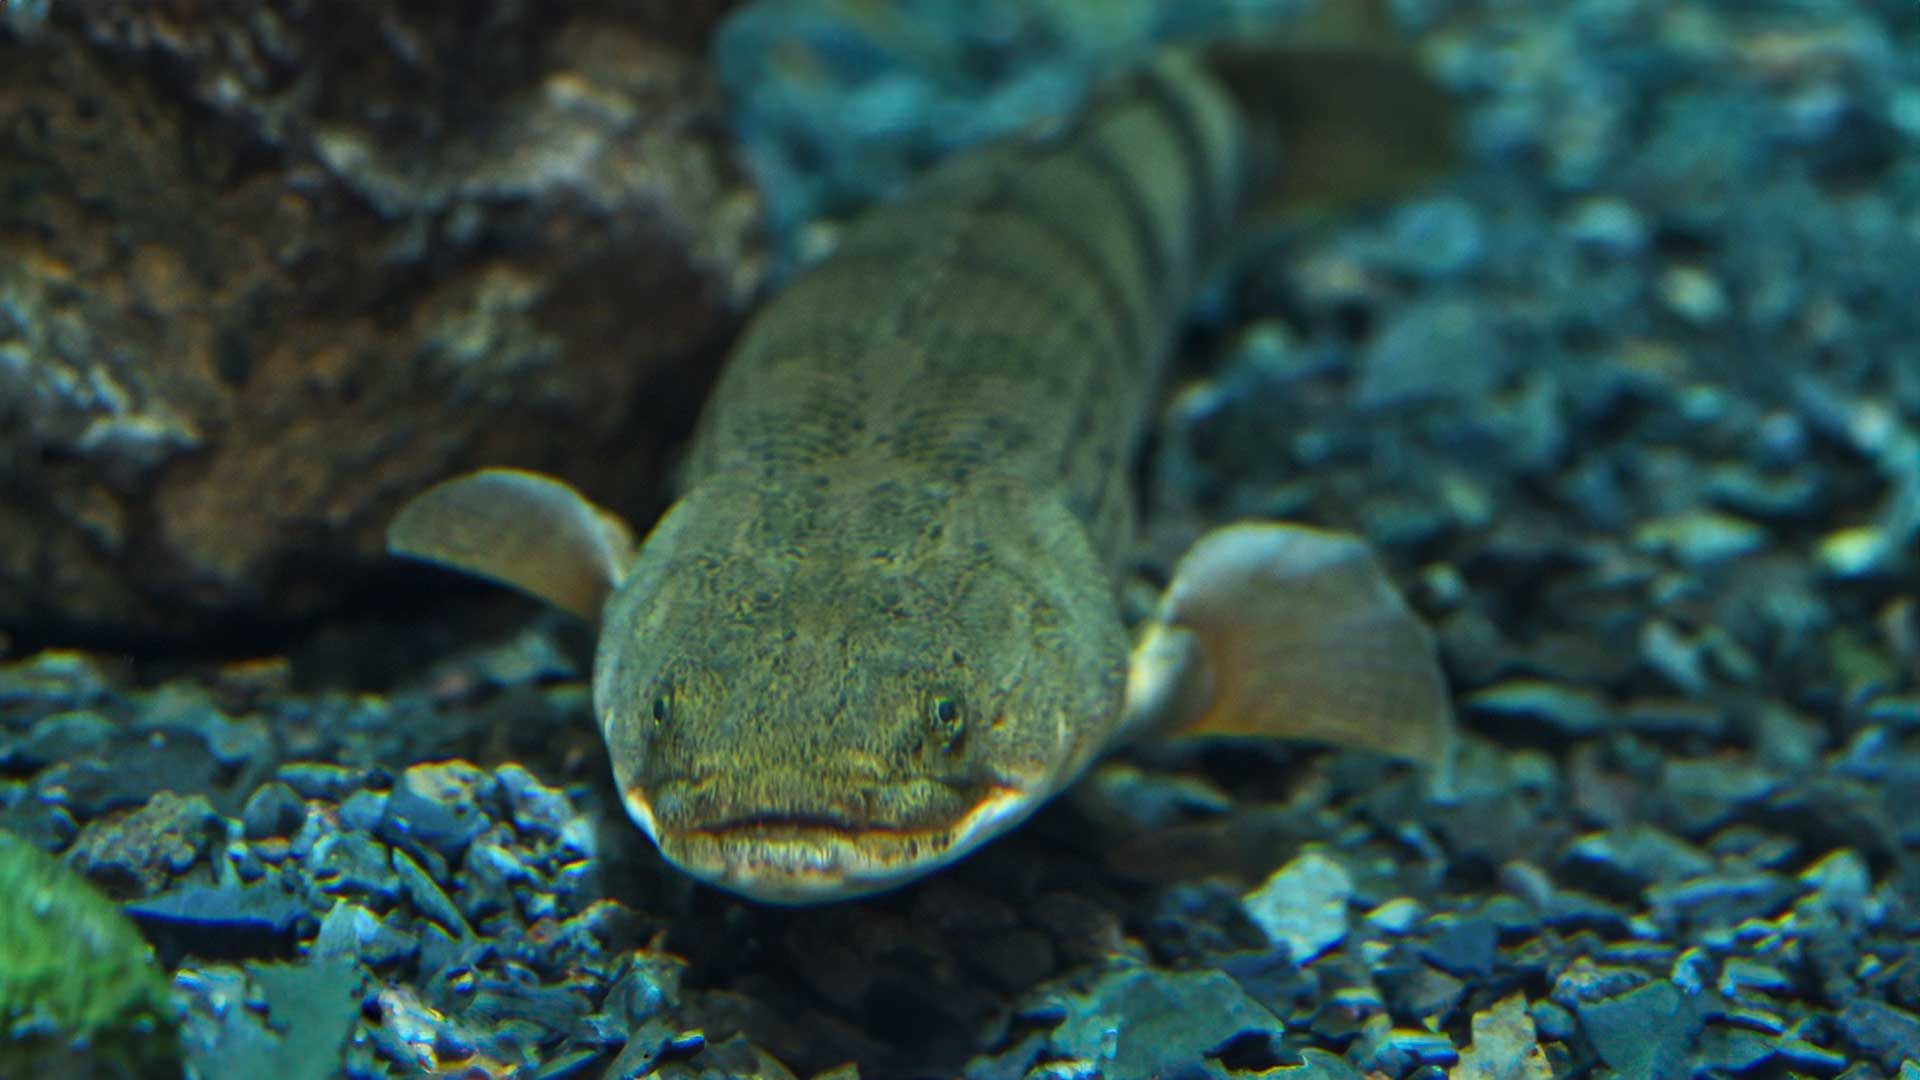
x,y
910,487
879,626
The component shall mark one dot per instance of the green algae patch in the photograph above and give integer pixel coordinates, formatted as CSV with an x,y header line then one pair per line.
x,y
79,992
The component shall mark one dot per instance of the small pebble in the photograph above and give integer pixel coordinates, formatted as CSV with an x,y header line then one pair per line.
x,y
1667,651
1441,350
1694,294
1701,538
1565,709
1672,717
319,779
437,805
427,896
1732,1050
1642,854
1841,886
1436,238
139,853
1462,945
274,809
364,810
1504,1046
1609,225
1883,1032
1303,905
1718,900
1645,1032
1396,916
1855,552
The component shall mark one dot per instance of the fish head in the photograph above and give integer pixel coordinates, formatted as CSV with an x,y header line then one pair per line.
x,y
830,688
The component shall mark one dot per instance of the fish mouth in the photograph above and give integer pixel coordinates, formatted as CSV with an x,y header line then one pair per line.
x,y
812,856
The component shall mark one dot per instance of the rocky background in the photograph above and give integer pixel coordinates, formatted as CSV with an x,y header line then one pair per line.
x,y
1630,403
272,267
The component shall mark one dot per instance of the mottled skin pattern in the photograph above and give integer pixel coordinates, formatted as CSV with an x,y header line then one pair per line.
x,y
880,624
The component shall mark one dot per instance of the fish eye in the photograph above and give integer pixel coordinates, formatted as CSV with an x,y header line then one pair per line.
x,y
661,707
949,725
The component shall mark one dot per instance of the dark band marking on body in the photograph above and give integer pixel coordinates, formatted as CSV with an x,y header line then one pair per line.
x,y
1095,153
1018,204
976,260
1175,109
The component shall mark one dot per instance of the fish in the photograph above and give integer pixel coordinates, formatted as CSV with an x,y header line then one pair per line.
x,y
880,624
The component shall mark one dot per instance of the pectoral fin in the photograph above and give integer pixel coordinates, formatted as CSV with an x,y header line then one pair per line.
x,y
521,529
1290,632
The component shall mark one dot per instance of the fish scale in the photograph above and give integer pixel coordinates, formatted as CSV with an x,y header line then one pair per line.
x,y
1014,309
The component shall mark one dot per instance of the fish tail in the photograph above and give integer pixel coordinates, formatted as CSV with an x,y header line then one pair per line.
x,y
1336,114
1197,139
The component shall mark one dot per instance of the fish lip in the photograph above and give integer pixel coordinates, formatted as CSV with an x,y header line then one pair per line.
x,y
800,823
699,806
786,823
810,858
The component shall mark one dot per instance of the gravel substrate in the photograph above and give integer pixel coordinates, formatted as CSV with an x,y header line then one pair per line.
x,y
1631,406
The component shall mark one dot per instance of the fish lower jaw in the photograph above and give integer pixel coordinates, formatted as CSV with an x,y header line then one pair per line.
x,y
781,859
795,865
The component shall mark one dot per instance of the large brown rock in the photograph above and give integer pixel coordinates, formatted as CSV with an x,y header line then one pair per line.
x,y
267,268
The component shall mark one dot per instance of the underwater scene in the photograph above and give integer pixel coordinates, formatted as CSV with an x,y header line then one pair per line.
x,y
1049,540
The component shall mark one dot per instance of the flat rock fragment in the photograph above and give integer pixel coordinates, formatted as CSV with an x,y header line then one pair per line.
x,y
1885,1033
1719,899
224,922
1638,855
136,853
1569,710
438,806
1303,905
1645,1033
1461,944
1503,1047
1140,1021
